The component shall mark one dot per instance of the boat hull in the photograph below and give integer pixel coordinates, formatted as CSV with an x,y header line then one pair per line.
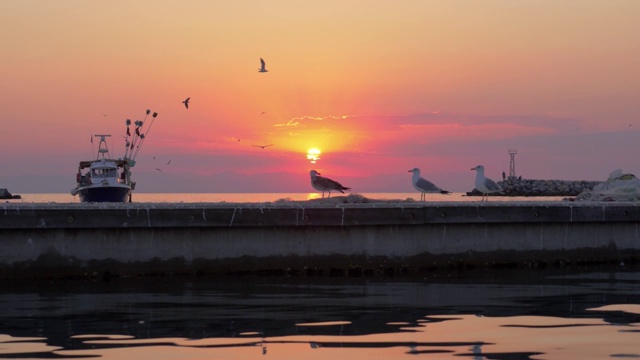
x,y
104,194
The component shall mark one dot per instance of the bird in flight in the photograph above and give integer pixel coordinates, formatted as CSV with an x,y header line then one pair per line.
x,y
263,67
158,169
169,162
262,146
186,102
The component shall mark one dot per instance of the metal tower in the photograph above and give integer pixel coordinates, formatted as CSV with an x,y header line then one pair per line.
x,y
512,163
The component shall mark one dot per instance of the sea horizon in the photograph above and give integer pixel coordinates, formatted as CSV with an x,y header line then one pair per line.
x,y
178,197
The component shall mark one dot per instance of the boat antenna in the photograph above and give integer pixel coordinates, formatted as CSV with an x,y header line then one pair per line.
x,y
144,135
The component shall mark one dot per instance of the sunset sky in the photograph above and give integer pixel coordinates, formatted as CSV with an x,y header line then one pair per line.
x,y
379,87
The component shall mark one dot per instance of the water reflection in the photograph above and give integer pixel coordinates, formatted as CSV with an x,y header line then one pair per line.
x,y
589,315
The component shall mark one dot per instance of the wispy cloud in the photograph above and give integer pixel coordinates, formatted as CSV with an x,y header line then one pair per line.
x,y
306,120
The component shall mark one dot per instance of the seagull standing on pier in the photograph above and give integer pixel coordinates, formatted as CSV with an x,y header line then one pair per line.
x,y
263,67
484,184
325,184
424,186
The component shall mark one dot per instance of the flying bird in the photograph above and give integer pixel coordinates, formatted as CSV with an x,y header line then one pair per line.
x,y
325,184
158,169
263,67
262,146
186,102
484,184
424,186
169,162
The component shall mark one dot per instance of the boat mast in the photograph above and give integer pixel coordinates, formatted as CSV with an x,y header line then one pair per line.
x,y
104,151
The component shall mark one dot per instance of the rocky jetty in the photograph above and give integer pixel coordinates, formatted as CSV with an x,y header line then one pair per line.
x,y
619,186
5,194
531,187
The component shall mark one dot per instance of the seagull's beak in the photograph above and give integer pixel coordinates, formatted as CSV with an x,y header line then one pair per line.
x,y
474,168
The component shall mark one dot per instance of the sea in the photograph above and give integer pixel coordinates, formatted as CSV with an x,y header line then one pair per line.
x,y
271,197
513,314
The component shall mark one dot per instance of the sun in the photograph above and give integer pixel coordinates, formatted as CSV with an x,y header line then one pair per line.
x,y
313,155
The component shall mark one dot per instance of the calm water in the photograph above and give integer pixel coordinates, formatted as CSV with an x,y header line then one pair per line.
x,y
269,197
528,315
474,315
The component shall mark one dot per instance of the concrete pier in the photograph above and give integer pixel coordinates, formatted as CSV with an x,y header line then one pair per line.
x,y
307,238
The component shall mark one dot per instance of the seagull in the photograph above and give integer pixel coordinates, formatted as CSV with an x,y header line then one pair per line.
x,y
158,169
262,66
169,162
424,186
325,184
485,185
186,102
262,146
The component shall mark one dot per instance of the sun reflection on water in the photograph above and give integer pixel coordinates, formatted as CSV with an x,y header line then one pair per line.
x,y
448,336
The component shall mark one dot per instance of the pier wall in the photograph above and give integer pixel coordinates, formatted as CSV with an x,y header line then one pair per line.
x,y
358,239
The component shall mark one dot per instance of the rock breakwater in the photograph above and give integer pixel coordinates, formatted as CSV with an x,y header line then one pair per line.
x,y
5,194
534,187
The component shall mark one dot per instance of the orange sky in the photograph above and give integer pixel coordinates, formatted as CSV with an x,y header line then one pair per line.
x,y
379,87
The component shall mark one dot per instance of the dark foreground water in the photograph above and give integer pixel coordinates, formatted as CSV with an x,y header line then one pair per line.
x,y
501,315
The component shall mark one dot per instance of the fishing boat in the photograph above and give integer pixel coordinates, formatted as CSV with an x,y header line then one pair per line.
x,y
108,179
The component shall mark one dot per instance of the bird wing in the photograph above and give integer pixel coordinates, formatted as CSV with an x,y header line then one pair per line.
x,y
426,185
262,63
327,183
491,185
